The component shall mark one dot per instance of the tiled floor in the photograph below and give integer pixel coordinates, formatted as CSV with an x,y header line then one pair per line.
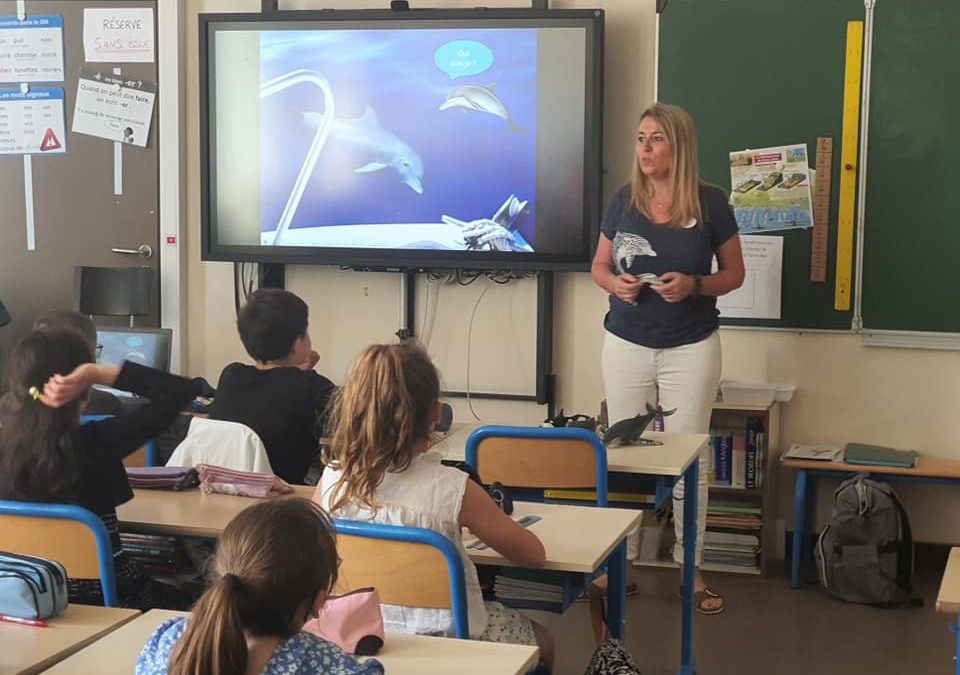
x,y
769,629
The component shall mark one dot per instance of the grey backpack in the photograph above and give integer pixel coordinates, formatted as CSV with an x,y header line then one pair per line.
x,y
865,553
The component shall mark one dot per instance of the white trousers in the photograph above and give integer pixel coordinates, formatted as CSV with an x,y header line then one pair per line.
x,y
685,378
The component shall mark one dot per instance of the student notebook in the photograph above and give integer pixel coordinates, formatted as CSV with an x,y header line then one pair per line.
x,y
878,455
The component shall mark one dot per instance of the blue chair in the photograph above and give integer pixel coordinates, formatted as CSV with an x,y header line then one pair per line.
x,y
539,457
152,456
406,565
69,534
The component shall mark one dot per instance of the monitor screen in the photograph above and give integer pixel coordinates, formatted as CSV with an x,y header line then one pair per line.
x,y
419,139
146,346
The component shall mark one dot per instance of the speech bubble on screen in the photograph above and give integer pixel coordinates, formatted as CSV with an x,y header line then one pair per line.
x,y
460,58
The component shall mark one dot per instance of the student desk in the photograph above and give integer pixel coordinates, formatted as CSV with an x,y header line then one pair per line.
x,y
927,470
667,463
578,539
117,653
29,649
948,599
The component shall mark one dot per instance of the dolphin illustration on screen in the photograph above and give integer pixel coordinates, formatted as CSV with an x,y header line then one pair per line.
x,y
481,99
386,150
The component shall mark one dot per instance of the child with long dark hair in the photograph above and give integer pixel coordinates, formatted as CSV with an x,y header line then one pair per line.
x,y
275,564
46,455
380,469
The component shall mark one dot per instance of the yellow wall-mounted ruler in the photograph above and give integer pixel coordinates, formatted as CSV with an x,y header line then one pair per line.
x,y
848,164
821,210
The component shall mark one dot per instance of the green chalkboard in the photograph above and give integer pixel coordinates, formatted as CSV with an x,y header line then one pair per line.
x,y
911,233
761,73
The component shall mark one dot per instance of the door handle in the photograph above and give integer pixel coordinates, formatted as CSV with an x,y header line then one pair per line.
x,y
144,251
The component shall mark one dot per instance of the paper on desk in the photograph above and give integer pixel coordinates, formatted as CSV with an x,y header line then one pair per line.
x,y
826,453
472,541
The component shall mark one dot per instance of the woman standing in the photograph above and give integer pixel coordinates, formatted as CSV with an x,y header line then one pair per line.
x,y
659,237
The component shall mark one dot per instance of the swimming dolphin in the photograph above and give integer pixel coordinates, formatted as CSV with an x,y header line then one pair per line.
x,y
481,99
387,150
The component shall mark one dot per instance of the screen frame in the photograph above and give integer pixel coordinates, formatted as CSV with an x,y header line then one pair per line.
x,y
414,259
164,341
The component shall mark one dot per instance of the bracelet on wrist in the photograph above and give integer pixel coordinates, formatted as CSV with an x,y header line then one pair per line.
x,y
697,286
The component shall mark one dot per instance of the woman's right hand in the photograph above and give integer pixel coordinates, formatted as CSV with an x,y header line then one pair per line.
x,y
627,287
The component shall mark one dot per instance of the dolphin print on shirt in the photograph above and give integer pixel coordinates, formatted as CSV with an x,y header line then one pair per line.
x,y
481,99
387,151
626,247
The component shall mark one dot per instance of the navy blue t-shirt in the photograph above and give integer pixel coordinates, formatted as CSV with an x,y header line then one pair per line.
x,y
640,246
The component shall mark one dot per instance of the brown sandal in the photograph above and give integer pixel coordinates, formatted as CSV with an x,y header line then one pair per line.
x,y
700,598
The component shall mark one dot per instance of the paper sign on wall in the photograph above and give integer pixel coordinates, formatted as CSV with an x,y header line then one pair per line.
x,y
118,35
32,122
113,107
759,297
31,50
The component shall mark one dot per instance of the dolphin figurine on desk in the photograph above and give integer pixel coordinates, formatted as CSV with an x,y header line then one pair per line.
x,y
628,431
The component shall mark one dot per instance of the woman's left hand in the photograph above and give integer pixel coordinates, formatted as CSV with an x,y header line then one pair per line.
x,y
676,287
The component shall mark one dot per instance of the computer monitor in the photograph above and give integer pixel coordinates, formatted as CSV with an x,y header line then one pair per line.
x,y
146,346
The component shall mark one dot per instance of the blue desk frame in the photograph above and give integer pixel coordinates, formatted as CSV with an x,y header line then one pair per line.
x,y
664,491
805,503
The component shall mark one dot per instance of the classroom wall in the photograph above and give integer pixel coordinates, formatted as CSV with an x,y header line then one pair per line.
x,y
845,391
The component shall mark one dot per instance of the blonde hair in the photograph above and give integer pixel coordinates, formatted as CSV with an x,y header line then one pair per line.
x,y
381,418
271,562
685,180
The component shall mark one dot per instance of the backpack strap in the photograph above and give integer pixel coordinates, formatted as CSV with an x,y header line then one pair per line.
x,y
905,559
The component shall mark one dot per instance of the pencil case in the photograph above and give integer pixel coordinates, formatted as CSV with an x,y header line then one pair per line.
x,y
31,588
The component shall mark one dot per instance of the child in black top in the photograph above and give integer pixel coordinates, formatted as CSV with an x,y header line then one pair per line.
x,y
281,397
46,455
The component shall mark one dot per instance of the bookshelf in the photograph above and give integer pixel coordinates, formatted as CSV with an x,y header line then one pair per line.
x,y
756,507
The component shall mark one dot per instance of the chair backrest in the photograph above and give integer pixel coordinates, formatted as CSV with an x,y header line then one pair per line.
x,y
145,455
539,457
228,444
406,565
69,534
113,291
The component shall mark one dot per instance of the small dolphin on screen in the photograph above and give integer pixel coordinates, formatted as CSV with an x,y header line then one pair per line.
x,y
386,150
481,99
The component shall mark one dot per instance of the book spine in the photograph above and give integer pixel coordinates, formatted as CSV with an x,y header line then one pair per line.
x,y
751,449
761,456
712,464
738,464
723,453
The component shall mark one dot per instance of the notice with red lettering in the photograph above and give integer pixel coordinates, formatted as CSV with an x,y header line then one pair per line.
x,y
118,35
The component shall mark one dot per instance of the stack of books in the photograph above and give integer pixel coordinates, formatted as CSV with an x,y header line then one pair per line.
x,y
158,555
733,534
535,589
731,549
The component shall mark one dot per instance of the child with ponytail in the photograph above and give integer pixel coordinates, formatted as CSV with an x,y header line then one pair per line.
x,y
275,564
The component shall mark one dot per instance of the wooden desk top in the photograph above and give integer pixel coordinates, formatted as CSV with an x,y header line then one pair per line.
x,y
188,513
28,649
670,459
577,538
117,653
929,467
948,599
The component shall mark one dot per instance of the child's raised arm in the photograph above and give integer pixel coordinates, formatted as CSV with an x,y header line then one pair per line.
x,y
496,529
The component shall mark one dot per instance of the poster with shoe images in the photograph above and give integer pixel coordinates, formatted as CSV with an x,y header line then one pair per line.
x,y
770,189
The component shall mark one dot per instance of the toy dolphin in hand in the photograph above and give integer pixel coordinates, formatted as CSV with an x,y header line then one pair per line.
x,y
628,431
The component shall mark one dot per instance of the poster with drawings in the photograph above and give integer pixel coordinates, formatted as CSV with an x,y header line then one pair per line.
x,y
770,189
